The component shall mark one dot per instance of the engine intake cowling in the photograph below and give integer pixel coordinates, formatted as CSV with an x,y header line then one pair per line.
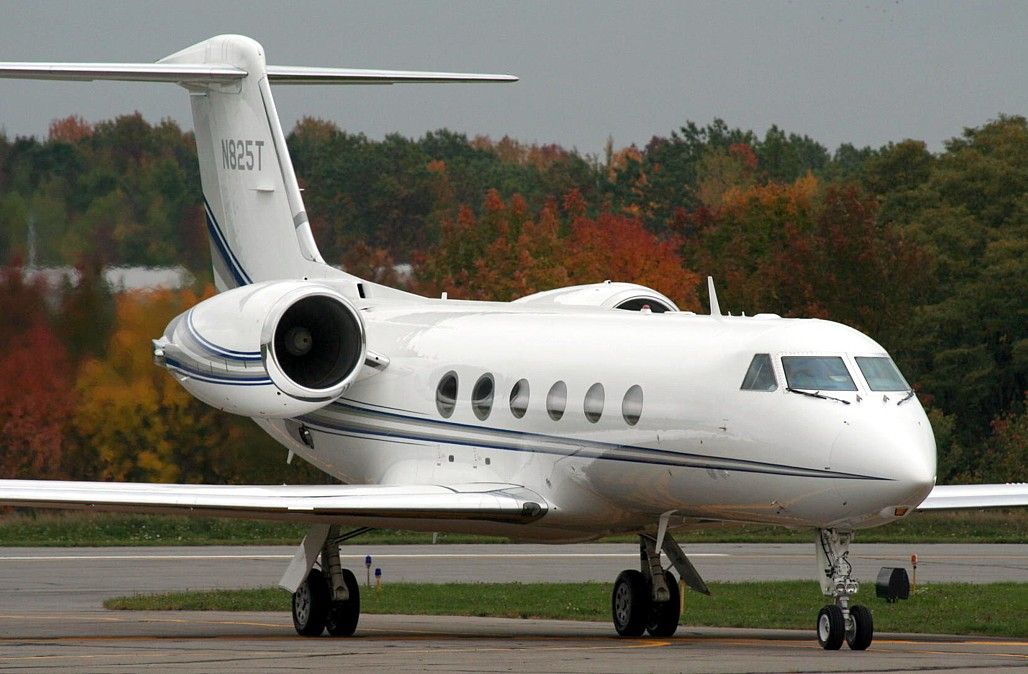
x,y
276,349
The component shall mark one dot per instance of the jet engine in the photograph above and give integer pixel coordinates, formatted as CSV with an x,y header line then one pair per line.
x,y
276,349
627,296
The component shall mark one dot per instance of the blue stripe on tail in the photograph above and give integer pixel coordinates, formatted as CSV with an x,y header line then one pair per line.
x,y
221,244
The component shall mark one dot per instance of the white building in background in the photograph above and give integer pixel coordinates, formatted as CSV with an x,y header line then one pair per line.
x,y
119,279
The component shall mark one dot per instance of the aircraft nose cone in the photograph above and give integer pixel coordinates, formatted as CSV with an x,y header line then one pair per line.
x,y
915,468
897,447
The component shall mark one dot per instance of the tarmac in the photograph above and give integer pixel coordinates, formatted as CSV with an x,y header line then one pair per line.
x,y
51,617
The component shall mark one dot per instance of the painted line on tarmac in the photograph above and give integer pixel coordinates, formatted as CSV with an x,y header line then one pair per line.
x,y
427,555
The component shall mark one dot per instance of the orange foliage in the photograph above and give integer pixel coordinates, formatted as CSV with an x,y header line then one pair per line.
x,y
372,264
508,253
141,423
71,130
35,403
791,198
511,151
620,248
315,129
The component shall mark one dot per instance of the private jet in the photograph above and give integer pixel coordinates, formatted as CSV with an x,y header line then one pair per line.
x,y
563,416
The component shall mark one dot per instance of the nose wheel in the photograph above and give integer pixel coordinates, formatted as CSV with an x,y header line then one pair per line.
x,y
862,629
840,621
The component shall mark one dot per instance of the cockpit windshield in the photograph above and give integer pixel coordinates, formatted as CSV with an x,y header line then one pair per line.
x,y
760,376
881,374
817,373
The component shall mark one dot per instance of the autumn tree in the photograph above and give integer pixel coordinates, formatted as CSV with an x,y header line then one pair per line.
x,y
142,425
509,252
35,382
86,314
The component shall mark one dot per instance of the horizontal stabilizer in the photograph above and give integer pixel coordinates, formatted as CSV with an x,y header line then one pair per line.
x,y
381,505
303,75
956,496
205,72
126,72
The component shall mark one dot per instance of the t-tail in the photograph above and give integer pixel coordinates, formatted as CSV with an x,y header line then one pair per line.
x,y
256,220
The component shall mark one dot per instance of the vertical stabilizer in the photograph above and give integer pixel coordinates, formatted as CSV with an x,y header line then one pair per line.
x,y
255,216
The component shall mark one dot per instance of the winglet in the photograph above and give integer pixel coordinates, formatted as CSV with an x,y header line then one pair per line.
x,y
715,308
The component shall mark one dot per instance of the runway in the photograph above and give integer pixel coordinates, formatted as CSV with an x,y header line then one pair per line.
x,y
247,642
50,615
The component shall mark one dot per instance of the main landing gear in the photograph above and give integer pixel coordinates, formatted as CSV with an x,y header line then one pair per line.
x,y
327,599
649,600
840,621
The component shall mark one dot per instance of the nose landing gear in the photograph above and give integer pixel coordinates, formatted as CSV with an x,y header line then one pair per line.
x,y
840,622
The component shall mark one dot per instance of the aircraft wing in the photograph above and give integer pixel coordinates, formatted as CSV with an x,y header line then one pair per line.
x,y
949,497
366,505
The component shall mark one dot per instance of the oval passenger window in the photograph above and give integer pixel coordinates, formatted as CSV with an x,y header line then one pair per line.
x,y
519,398
446,394
557,400
594,403
632,405
482,397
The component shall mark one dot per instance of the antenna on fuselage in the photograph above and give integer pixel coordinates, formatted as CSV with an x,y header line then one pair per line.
x,y
715,308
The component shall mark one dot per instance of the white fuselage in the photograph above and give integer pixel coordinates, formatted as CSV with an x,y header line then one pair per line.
x,y
701,447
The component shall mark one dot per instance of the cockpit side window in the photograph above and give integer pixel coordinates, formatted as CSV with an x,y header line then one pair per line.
x,y
760,376
817,373
881,374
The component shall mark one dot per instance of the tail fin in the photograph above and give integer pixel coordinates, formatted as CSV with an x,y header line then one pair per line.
x,y
255,216
256,220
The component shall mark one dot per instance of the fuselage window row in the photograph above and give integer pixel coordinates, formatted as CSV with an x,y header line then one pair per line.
x,y
483,394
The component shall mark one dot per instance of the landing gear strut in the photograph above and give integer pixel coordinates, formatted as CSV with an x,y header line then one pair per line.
x,y
839,621
329,597
649,600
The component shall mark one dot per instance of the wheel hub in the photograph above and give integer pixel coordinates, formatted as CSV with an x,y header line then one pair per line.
x,y
623,603
303,603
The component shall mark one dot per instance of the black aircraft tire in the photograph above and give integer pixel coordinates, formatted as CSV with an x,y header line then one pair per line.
x,y
831,628
310,605
343,615
863,628
664,615
630,603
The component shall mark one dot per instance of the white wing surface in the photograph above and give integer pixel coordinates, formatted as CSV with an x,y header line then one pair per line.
x,y
951,497
368,505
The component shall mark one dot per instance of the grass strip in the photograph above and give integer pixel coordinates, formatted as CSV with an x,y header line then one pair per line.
x,y
49,528
995,609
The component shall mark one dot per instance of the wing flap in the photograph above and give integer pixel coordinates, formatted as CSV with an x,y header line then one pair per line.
x,y
951,497
389,504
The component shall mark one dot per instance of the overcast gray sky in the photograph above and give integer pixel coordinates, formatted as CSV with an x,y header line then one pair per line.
x,y
865,72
